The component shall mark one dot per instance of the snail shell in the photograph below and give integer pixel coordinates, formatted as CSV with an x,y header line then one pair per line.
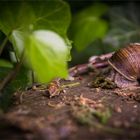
x,y
126,62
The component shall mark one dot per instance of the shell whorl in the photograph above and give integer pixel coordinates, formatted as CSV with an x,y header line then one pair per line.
x,y
126,61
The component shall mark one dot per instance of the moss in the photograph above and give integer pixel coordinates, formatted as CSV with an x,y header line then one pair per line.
x,y
102,82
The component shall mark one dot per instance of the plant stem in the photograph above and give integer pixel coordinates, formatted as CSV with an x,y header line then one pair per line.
x,y
33,78
71,85
4,43
12,74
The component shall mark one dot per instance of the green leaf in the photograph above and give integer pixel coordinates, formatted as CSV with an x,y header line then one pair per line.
x,y
15,16
5,63
125,29
47,53
87,26
20,18
53,15
18,40
96,10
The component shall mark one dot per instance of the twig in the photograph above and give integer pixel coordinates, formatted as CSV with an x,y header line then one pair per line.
x,y
78,69
95,62
70,85
95,59
32,76
21,97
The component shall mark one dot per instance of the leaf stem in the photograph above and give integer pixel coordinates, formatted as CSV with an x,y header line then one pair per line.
x,y
32,76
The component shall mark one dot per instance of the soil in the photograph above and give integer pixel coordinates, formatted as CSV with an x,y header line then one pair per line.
x,y
79,112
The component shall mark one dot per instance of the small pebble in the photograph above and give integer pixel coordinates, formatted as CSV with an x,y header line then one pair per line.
x,y
118,109
98,90
117,123
135,106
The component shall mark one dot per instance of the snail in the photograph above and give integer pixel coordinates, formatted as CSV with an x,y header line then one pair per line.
x,y
125,64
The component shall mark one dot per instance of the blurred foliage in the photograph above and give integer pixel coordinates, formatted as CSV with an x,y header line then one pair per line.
x,y
5,63
41,48
124,25
41,15
87,26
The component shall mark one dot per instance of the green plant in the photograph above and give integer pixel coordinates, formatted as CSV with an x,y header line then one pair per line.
x,y
38,34
124,25
88,26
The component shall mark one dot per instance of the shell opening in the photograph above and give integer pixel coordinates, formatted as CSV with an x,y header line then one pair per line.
x,y
138,79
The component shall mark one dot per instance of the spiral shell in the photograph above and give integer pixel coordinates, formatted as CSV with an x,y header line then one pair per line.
x,y
126,61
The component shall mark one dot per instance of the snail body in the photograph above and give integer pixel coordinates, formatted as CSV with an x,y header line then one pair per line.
x,y
125,64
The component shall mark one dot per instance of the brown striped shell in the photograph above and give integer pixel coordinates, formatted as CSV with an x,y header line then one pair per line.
x,y
126,61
